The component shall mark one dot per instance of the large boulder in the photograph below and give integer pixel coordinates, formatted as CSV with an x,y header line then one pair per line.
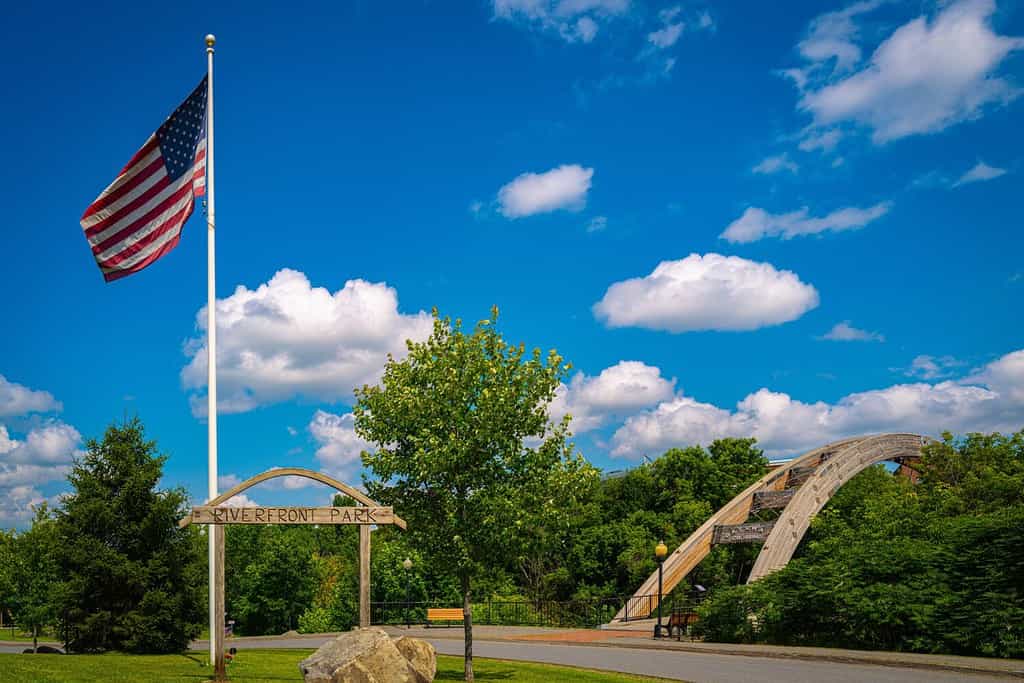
x,y
370,656
421,657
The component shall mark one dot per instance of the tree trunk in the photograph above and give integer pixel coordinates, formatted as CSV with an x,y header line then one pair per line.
x,y
467,626
35,639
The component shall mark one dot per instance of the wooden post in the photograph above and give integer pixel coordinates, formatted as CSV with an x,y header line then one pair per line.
x,y
364,576
217,637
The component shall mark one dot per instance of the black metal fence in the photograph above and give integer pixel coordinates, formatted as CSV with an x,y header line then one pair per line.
x,y
562,614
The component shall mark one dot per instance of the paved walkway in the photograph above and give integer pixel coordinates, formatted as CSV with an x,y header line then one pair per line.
x,y
631,652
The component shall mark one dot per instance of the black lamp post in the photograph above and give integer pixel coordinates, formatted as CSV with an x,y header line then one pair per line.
x,y
407,563
660,551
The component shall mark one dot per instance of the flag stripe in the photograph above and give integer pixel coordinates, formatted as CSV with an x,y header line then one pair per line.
x,y
145,249
113,274
149,196
142,182
138,163
172,206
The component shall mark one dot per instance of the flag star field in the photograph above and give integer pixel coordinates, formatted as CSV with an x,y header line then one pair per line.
x,y
795,222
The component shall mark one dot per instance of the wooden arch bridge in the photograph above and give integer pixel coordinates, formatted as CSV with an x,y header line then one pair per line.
x,y
799,488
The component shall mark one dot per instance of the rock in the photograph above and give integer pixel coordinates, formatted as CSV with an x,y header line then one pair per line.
x,y
369,656
289,634
421,657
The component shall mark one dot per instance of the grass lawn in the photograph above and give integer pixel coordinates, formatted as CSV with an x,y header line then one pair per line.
x,y
15,634
260,666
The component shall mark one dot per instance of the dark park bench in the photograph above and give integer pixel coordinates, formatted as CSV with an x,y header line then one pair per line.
x,y
446,614
681,620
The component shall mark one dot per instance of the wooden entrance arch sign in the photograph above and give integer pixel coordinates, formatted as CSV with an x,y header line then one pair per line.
x,y
366,513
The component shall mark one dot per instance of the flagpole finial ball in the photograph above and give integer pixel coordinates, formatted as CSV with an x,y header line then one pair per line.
x,y
210,40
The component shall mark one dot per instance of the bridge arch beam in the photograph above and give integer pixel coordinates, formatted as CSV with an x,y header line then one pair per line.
x,y
833,465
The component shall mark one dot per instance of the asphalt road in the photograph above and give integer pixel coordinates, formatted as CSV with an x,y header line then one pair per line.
x,y
683,666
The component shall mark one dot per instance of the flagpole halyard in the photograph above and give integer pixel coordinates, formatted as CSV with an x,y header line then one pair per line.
x,y
214,535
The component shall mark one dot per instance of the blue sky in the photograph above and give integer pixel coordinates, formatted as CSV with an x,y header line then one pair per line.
x,y
733,220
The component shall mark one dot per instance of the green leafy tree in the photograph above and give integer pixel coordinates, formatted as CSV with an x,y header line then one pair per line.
x,y
276,586
35,575
133,579
464,448
6,574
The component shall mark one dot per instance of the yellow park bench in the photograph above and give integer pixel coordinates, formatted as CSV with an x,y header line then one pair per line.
x,y
681,621
447,614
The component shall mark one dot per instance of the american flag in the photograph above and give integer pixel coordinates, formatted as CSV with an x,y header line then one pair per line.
x,y
138,218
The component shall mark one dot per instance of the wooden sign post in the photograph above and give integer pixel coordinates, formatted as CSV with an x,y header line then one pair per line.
x,y
217,515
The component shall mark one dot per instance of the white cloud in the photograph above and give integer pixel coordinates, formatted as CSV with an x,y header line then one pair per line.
x,y
564,187
240,501
989,400
227,481
825,140
756,223
709,292
597,224
665,36
980,172
575,21
931,73
17,502
932,367
287,338
340,448
622,388
51,443
16,399
775,164
831,37
43,456
844,331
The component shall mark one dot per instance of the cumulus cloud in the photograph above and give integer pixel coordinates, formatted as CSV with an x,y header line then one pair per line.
x,y
17,503
991,399
844,331
931,73
707,292
287,338
240,501
622,388
16,399
564,187
40,456
980,172
574,21
775,164
756,223
932,367
340,448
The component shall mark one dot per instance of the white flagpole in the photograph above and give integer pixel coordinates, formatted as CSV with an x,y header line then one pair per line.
x,y
211,350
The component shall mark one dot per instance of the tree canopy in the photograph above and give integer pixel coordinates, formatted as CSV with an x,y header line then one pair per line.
x,y
465,449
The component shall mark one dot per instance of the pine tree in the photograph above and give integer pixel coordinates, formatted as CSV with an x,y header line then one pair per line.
x,y
133,578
